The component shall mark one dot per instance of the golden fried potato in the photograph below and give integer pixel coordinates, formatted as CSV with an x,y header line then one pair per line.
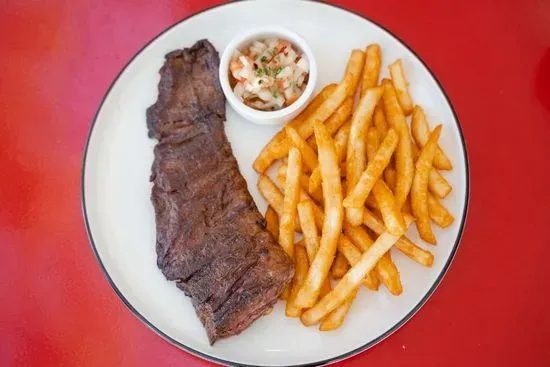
x,y
354,68
309,228
371,71
421,133
279,145
290,201
403,154
336,318
301,266
401,86
352,280
375,168
352,254
273,196
340,266
309,157
340,145
438,213
272,221
419,192
404,244
356,154
385,268
380,122
332,225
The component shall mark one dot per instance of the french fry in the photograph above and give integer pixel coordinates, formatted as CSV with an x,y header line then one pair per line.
x,y
438,185
339,117
415,252
285,293
354,68
325,287
314,180
309,228
373,222
377,163
279,145
389,275
311,236
342,166
371,202
344,90
290,201
336,318
403,153
380,122
340,145
419,192
371,71
317,195
273,196
385,268
317,211
309,156
341,141
375,168
301,266
384,198
352,255
332,225
372,135
401,86
393,218
356,155
272,221
339,266
421,133
335,121
327,108
351,281
438,213
392,179
406,208
389,177
404,244
415,151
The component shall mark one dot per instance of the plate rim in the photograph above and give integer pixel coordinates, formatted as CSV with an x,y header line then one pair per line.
x,y
326,361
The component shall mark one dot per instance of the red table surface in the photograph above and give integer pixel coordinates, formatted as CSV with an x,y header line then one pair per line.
x,y
57,59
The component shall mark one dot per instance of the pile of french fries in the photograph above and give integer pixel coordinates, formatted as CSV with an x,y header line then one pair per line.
x,y
353,178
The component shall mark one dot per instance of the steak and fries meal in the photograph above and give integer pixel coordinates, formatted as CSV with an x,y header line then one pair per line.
x,y
347,178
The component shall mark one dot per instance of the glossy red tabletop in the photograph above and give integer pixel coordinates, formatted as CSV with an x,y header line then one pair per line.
x,y
57,59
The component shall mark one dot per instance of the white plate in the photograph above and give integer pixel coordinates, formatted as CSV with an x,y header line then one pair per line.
x,y
119,215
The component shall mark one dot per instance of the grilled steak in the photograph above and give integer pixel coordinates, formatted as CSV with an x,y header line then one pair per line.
x,y
211,239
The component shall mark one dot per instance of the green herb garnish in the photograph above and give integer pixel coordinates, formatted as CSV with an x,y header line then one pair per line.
x,y
276,71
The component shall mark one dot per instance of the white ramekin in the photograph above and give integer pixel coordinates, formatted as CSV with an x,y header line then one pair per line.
x,y
267,117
